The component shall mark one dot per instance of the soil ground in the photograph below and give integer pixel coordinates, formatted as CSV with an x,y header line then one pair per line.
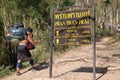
x,y
77,64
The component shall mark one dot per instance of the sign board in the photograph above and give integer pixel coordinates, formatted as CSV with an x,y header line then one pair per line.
x,y
73,40
72,26
72,32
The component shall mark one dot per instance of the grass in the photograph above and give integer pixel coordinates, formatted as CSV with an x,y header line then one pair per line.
x,y
5,72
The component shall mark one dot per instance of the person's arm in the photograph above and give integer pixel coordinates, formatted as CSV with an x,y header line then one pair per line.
x,y
31,41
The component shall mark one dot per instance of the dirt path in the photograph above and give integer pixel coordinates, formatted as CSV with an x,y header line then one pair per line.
x,y
76,64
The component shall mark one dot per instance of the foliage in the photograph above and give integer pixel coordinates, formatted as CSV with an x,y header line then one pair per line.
x,y
6,71
100,33
34,14
116,37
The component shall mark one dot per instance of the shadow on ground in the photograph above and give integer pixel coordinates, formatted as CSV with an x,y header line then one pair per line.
x,y
90,69
116,55
38,67
99,70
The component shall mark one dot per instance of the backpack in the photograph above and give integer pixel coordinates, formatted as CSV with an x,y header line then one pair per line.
x,y
16,32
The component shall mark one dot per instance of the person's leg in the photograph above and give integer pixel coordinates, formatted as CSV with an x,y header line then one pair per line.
x,y
28,54
18,67
20,56
31,62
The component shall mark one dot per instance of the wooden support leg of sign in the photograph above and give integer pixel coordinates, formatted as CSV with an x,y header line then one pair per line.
x,y
51,43
51,59
94,46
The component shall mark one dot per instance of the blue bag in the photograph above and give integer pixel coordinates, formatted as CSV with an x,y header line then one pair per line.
x,y
17,32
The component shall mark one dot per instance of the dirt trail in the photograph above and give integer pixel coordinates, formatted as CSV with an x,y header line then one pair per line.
x,y
76,64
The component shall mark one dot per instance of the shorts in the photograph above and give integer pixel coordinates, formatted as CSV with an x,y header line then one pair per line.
x,y
23,52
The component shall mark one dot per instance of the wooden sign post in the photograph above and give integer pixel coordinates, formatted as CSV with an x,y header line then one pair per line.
x,y
73,25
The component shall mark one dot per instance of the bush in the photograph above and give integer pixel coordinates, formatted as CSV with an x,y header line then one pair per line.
x,y
104,33
5,72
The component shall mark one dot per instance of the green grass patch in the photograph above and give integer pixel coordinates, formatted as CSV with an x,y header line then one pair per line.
x,y
5,72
